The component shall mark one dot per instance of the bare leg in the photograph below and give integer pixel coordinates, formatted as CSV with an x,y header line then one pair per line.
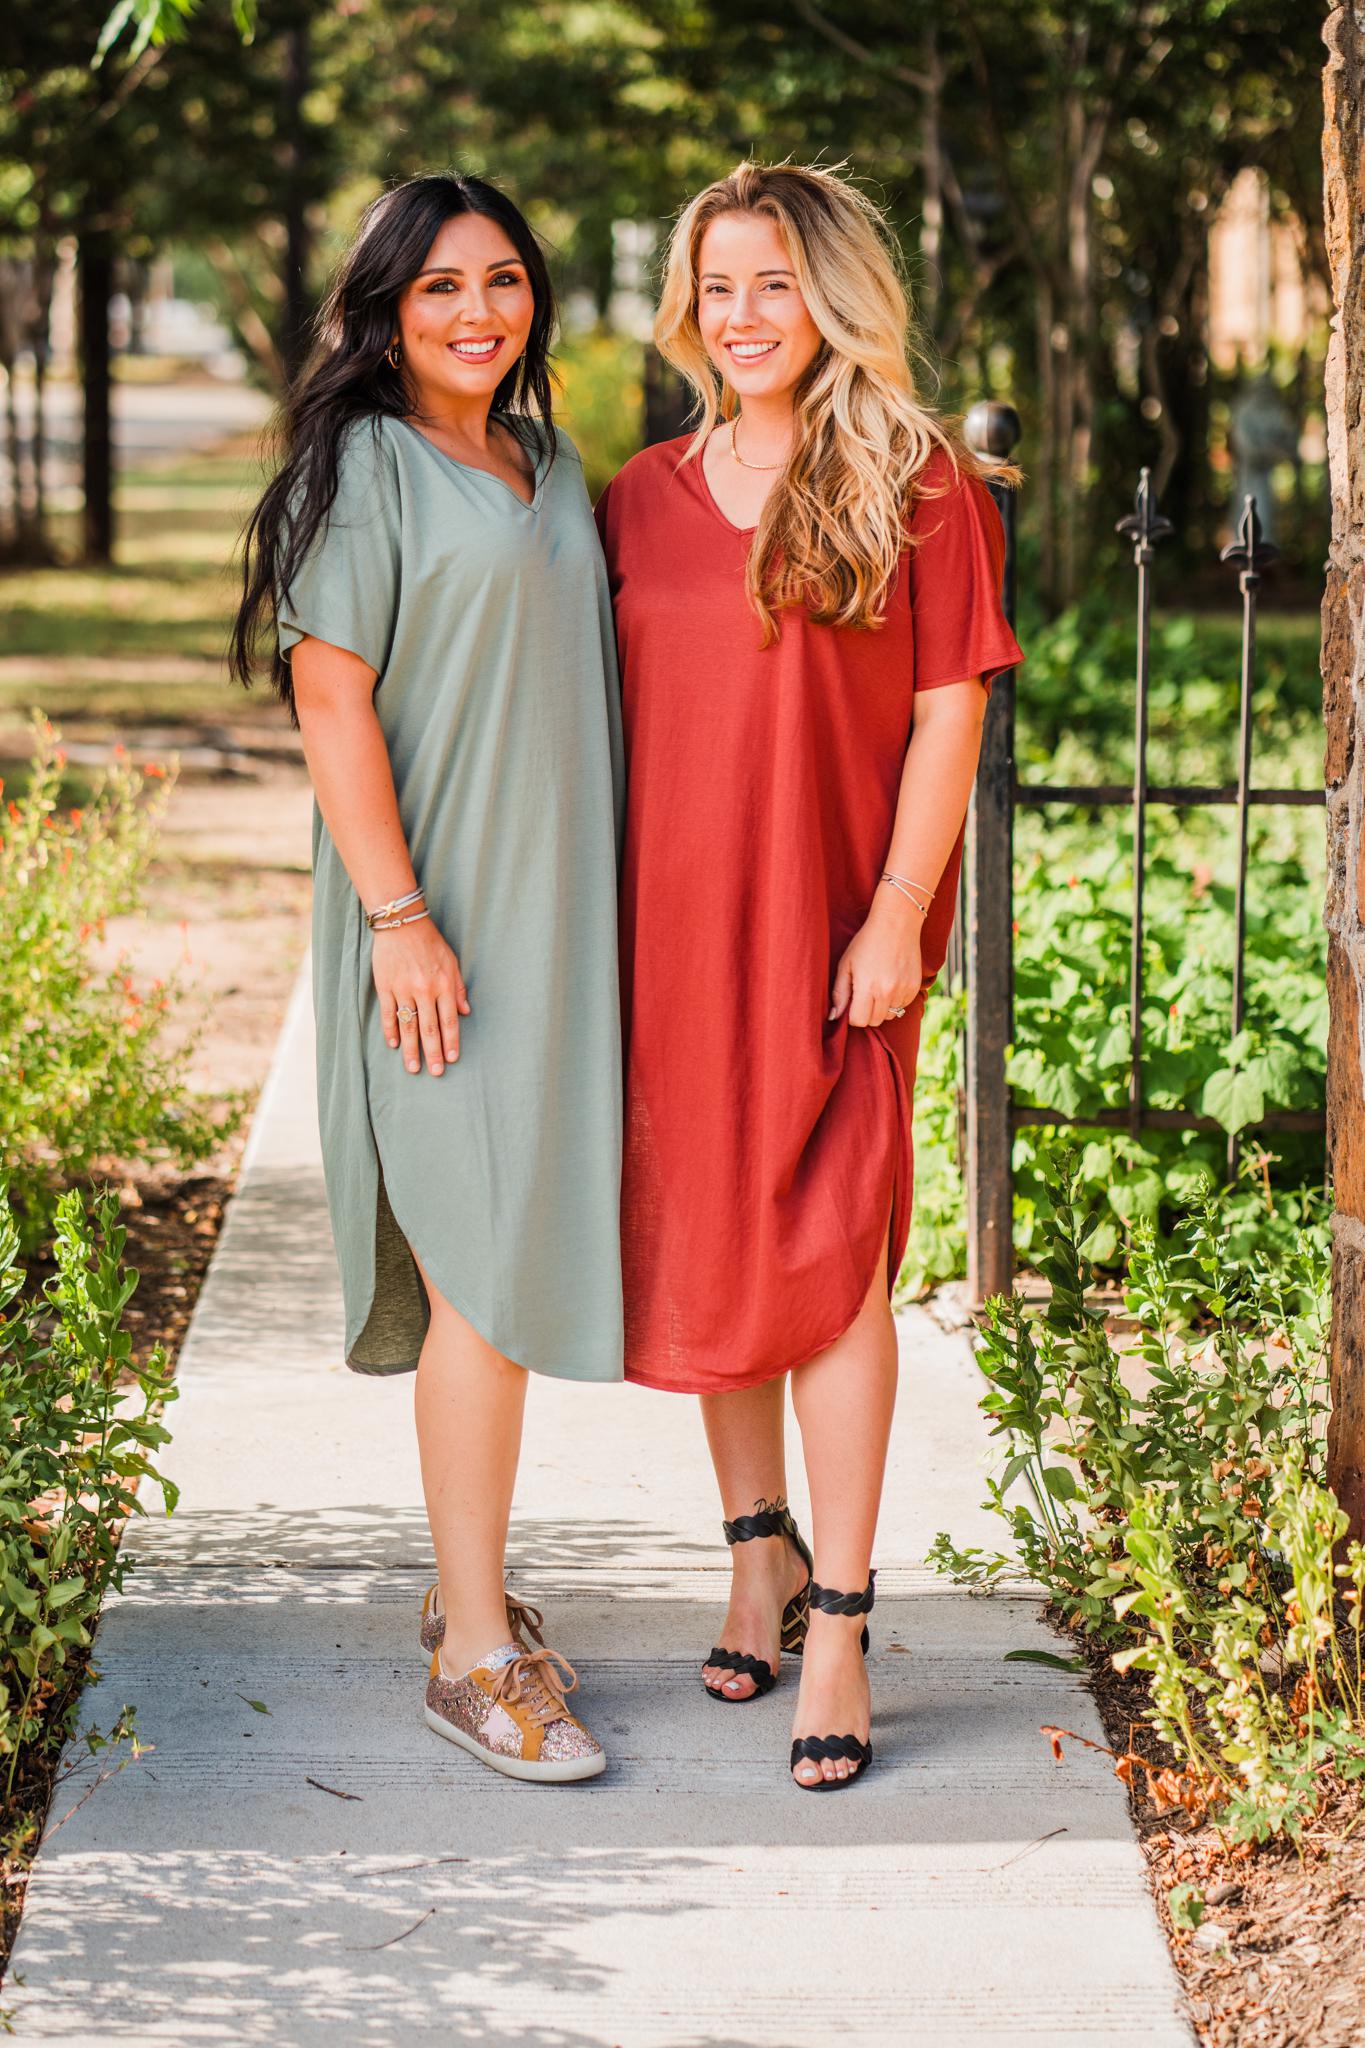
x,y
844,1401
745,1435
468,1401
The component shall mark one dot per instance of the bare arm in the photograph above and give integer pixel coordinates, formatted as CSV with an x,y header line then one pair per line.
x,y
880,970
414,968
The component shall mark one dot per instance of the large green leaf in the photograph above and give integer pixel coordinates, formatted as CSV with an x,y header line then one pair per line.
x,y
1235,1099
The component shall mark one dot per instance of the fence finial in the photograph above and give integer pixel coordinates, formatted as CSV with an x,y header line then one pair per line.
x,y
1144,525
1250,551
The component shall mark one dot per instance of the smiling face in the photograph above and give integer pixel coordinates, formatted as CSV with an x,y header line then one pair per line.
x,y
753,320
464,319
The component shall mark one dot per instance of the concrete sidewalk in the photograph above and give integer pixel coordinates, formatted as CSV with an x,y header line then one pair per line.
x,y
220,1891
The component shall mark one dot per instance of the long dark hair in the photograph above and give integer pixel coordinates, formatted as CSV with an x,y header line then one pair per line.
x,y
349,378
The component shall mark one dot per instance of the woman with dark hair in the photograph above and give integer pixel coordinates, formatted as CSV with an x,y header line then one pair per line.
x,y
423,575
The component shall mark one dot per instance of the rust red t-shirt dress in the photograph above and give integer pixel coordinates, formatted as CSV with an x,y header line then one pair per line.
x,y
765,1147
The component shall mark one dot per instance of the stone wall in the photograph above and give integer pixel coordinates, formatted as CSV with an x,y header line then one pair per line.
x,y
1343,673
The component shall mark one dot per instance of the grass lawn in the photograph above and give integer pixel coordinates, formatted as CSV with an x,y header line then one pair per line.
x,y
142,642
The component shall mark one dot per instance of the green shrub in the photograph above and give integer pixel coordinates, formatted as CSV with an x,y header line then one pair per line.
x,y
1071,1053
1169,1493
1076,694
78,1429
1071,1048
603,401
935,1251
85,1075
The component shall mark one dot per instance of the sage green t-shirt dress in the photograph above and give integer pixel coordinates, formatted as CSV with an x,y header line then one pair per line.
x,y
488,622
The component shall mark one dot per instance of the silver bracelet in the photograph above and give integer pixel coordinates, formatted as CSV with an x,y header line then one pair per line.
x,y
391,924
907,890
391,909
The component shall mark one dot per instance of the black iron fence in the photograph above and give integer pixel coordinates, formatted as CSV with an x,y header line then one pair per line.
x,y
983,950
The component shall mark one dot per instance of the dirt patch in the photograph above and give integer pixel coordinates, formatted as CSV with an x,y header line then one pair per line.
x,y
1277,1960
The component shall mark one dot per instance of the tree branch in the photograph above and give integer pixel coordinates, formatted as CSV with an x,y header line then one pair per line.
x,y
899,74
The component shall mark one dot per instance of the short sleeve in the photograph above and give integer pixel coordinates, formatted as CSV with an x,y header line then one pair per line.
x,y
601,512
955,575
345,591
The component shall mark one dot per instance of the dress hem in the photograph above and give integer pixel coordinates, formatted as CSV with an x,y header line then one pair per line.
x,y
477,1323
898,1235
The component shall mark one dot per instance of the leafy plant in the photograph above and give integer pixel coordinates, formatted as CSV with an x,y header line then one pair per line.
x,y
1072,1051
78,1427
1168,1490
86,1076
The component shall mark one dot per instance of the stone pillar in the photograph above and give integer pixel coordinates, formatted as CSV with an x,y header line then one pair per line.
x,y
1343,674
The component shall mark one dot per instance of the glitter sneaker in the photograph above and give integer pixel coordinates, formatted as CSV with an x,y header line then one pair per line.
x,y
509,1712
524,1623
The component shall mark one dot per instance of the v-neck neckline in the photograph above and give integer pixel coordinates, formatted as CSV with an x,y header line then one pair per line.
x,y
539,472
744,532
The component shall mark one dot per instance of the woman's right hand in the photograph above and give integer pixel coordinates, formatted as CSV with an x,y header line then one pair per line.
x,y
415,970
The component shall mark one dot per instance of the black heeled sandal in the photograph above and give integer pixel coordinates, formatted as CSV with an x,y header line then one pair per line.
x,y
819,1749
767,1521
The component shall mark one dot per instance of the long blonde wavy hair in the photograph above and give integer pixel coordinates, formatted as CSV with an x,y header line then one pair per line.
x,y
833,529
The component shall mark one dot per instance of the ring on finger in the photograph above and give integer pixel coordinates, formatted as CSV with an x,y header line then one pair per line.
x,y
895,1013
406,1013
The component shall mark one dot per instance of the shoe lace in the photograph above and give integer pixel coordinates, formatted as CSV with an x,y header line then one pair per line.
x,y
532,1682
524,1619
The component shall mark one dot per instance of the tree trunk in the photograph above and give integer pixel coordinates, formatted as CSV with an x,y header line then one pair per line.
x,y
44,276
1343,672
1044,491
931,209
294,336
95,269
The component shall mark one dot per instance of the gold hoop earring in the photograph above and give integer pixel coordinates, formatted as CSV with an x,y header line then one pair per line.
x,y
393,353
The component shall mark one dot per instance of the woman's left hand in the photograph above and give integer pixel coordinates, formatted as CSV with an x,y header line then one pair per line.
x,y
880,970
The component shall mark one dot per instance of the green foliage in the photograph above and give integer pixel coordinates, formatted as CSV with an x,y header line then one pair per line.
x,y
154,23
1072,1049
1071,1053
1168,1490
601,374
1073,904
78,1428
1186,1905
85,1074
1075,717
937,1219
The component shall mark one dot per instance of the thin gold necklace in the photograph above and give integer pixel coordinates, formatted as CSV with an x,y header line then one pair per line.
x,y
734,450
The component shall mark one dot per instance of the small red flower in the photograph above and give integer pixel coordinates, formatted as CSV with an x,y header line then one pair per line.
x,y
78,817
153,768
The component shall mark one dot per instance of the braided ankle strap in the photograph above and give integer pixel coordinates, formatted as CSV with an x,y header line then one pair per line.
x,y
766,1521
831,1602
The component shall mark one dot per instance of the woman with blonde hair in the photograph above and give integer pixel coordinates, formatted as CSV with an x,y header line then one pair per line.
x,y
807,601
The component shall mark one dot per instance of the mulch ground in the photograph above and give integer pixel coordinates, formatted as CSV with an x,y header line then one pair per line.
x,y
1278,1960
